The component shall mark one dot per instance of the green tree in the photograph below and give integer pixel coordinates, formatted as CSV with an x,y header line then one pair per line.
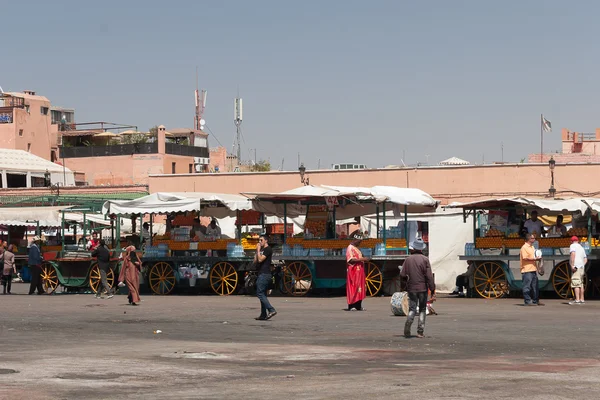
x,y
262,166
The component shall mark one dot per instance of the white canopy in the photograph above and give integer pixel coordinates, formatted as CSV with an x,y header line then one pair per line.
x,y
357,201
28,216
79,217
577,204
454,161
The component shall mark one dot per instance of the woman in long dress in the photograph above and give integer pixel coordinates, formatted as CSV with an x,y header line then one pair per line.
x,y
130,274
356,281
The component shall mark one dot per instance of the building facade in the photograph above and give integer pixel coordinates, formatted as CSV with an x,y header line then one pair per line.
x,y
29,122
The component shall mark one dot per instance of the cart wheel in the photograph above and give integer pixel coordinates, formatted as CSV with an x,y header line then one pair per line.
x,y
162,278
95,278
49,278
373,279
297,279
490,280
561,280
223,278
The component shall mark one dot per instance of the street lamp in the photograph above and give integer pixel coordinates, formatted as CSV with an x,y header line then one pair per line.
x,y
552,164
303,179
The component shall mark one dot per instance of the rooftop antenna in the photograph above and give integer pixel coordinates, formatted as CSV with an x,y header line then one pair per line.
x,y
281,168
237,120
200,106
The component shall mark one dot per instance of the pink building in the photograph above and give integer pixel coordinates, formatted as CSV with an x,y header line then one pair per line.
x,y
577,147
29,122
105,162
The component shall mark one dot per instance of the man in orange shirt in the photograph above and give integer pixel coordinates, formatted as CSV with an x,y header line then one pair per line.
x,y
529,271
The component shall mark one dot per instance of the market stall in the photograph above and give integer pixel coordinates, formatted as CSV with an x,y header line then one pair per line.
x,y
499,226
316,259
190,254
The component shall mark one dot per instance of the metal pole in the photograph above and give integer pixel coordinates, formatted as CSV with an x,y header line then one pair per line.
x,y
62,230
541,138
406,227
84,222
384,227
334,224
474,226
377,215
284,222
118,235
151,228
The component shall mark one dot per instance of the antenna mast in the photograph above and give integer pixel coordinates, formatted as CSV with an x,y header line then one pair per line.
x,y
200,106
237,120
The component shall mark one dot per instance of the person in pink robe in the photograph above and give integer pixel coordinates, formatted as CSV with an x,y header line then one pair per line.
x,y
356,282
130,274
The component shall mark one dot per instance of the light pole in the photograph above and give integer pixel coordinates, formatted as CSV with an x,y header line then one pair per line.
x,y
552,164
303,179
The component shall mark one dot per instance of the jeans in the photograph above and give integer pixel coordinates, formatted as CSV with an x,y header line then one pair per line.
x,y
262,285
414,299
530,288
462,282
6,282
103,284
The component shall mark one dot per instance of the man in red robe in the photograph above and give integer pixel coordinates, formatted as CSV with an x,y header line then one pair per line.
x,y
355,284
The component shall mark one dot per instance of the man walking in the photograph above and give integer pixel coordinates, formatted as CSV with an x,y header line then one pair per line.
x,y
264,254
578,261
529,271
420,279
102,254
35,266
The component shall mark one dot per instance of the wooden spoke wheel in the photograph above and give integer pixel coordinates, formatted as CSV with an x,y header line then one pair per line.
x,y
223,278
373,279
490,280
49,278
297,278
161,278
95,278
561,280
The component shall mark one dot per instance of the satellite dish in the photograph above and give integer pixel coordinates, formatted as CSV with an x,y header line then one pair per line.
x,y
202,122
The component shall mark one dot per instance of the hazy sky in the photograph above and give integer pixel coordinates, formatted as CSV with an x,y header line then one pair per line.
x,y
336,81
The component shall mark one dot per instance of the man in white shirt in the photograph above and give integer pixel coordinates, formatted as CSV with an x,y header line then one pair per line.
x,y
213,230
534,225
577,261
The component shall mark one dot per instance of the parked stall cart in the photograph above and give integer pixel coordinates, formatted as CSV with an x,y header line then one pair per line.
x,y
498,235
316,260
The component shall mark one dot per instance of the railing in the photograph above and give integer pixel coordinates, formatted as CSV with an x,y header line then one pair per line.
x,y
182,150
129,149
587,137
107,151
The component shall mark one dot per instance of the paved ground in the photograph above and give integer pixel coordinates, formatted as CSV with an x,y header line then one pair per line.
x,y
76,347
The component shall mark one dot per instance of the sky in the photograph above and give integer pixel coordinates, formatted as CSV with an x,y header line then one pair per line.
x,y
378,82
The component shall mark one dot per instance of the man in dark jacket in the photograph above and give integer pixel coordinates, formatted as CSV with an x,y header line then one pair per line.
x,y
34,260
102,254
420,279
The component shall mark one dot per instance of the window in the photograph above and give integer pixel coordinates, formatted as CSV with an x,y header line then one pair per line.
x,y
44,110
27,108
29,147
173,167
53,156
191,168
20,132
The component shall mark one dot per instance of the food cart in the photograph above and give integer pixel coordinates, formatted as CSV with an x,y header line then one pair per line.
x,y
317,260
180,258
498,237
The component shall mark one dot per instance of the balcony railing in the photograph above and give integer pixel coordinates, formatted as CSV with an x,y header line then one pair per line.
x,y
129,149
182,150
107,151
6,115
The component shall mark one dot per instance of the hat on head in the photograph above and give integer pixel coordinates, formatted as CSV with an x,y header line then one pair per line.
x,y
357,236
574,239
418,244
36,238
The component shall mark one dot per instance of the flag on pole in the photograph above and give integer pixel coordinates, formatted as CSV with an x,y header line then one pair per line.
x,y
546,125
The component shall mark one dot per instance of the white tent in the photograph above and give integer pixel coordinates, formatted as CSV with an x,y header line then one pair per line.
x,y
447,237
353,201
21,162
454,161
30,216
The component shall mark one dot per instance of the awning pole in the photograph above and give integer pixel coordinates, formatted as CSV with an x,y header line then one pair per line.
x,y
377,214
406,228
384,227
284,222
